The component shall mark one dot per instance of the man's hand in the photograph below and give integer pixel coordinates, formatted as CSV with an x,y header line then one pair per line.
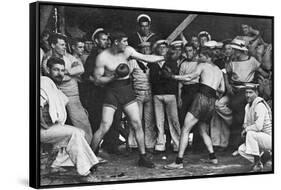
x,y
243,133
74,64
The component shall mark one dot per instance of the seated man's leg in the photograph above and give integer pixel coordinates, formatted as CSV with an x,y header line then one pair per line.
x,y
242,152
256,142
107,118
79,117
77,147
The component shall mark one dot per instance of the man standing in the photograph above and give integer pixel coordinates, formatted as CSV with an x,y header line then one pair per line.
x,y
142,88
95,94
211,81
69,86
77,47
257,127
112,71
164,90
187,89
240,71
76,151
144,33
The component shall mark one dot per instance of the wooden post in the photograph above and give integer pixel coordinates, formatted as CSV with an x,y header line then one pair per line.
x,y
45,12
61,19
181,27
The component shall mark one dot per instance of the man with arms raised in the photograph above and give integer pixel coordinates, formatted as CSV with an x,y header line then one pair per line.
x,y
202,108
112,71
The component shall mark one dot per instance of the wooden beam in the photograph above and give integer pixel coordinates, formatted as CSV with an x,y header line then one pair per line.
x,y
181,27
45,12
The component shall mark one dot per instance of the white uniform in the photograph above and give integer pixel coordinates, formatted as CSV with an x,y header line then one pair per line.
x,y
258,125
75,149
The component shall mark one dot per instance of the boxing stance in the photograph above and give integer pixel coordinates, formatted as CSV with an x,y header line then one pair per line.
x,y
202,108
112,71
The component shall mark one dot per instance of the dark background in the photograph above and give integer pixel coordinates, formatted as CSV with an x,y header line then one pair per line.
x,y
163,22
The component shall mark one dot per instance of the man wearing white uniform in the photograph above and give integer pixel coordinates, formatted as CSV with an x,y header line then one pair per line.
x,y
257,127
71,140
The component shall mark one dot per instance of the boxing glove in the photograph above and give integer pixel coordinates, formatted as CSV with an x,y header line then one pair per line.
x,y
122,70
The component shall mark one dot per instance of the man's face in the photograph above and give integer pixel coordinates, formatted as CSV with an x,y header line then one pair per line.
x,y
162,49
189,52
56,73
195,41
245,29
203,40
102,41
250,95
228,51
238,53
146,50
203,58
88,46
175,53
122,44
144,28
79,48
60,47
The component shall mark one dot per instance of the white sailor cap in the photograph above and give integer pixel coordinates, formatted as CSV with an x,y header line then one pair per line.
x,y
213,44
252,86
159,42
238,44
143,16
204,33
95,32
177,43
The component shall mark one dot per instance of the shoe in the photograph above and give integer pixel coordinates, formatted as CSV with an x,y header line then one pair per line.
x,y
145,162
258,167
90,178
101,160
235,153
57,170
210,161
173,166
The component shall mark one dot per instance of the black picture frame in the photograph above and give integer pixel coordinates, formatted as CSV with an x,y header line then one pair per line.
x,y
34,81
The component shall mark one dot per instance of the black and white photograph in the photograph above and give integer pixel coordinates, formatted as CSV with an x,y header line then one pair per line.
x,y
122,94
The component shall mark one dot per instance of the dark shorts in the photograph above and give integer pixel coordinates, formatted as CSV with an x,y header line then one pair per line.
x,y
119,93
203,105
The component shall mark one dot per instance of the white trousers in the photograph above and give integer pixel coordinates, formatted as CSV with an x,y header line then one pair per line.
x,y
77,151
256,143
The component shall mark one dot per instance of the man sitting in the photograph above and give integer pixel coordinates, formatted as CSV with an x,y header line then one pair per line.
x,y
71,140
257,127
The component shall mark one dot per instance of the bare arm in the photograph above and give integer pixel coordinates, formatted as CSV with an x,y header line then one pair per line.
x,y
266,60
99,77
221,88
131,52
190,76
77,68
